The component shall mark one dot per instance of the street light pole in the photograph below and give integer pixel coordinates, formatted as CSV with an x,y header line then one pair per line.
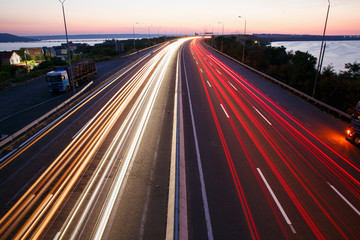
x,y
243,56
322,51
68,48
149,33
134,33
222,36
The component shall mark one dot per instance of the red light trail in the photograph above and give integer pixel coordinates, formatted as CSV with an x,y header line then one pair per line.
x,y
289,147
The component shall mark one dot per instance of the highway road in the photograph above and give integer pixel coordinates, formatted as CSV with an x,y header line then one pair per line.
x,y
264,169
184,144
36,100
68,180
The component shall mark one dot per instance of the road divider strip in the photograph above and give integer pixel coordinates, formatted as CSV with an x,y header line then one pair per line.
x,y
170,223
183,223
177,223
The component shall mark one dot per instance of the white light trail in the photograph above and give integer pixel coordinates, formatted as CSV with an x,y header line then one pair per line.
x,y
107,209
144,103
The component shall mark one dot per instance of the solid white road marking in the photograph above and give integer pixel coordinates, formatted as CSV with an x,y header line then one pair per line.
x,y
198,158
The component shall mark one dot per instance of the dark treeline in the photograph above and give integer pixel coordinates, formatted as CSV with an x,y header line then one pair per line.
x,y
298,69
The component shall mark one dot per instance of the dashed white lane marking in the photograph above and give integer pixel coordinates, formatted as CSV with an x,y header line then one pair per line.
x,y
232,86
343,198
227,115
262,116
276,201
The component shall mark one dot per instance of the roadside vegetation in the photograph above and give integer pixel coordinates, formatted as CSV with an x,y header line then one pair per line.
x,y
298,69
13,75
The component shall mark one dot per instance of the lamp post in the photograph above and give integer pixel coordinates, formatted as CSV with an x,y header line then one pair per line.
x,y
322,51
68,47
134,33
149,33
243,56
222,36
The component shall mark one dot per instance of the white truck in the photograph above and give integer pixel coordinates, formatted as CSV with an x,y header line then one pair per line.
x,y
60,80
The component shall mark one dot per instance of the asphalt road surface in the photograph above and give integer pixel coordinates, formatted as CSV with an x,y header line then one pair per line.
x,y
273,166
68,181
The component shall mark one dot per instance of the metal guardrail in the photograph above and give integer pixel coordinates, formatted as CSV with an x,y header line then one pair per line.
x,y
283,85
37,121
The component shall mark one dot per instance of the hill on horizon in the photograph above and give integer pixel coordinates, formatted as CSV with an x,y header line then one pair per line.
x,y
6,37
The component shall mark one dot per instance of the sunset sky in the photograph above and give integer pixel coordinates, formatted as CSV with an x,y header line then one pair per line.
x,y
44,17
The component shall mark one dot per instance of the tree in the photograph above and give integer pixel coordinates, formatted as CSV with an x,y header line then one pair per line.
x,y
302,70
353,69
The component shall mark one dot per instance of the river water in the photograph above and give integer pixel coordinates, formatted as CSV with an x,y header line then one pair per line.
x,y
8,46
337,53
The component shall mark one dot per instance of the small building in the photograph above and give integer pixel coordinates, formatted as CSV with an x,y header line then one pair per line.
x,y
9,58
34,53
49,51
72,46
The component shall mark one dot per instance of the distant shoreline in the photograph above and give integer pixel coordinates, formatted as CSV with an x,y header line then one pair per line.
x,y
263,36
8,38
272,37
308,38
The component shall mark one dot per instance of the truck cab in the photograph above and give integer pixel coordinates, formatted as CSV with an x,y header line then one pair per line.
x,y
58,81
353,133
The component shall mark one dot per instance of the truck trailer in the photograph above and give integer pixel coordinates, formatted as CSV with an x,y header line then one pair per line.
x,y
353,133
61,79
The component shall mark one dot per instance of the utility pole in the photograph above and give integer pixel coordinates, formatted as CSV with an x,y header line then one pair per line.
x,y
322,51
149,33
68,48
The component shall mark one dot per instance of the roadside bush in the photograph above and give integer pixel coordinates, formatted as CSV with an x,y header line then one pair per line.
x,y
298,70
4,83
